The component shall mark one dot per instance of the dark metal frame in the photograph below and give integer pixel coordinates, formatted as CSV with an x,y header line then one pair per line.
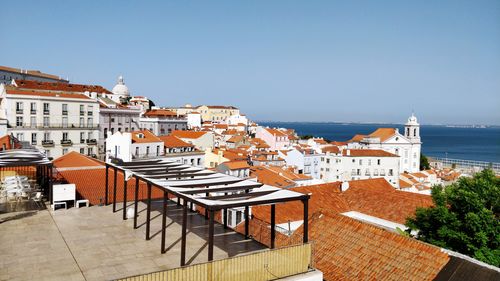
x,y
187,196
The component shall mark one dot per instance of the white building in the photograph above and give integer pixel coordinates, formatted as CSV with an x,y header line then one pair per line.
x,y
306,161
407,146
54,117
7,74
360,164
275,138
193,120
180,151
162,122
134,145
120,92
114,117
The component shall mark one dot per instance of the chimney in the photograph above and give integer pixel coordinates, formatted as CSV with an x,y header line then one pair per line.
x,y
348,152
344,186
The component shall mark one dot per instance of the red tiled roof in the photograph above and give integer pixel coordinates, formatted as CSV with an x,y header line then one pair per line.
x,y
236,165
331,149
276,132
147,137
159,113
174,142
58,86
74,159
30,72
14,91
367,153
188,134
376,197
383,133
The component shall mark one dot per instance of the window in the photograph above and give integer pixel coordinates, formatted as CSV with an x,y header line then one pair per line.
x,y
358,172
19,107
64,109
65,122
353,172
65,136
46,109
64,151
46,121
382,172
353,160
369,162
137,151
82,122
157,150
378,161
33,108
105,133
82,150
199,162
19,121
89,122
20,136
82,110
360,162
82,137
390,172
147,150
375,172
46,136
89,151
33,121
90,135
328,161
90,109
33,138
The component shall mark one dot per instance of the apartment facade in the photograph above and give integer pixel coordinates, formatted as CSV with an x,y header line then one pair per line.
x,y
7,74
56,122
163,122
360,164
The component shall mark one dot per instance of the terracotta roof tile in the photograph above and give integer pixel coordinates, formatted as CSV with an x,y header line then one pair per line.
x,y
174,142
58,86
188,134
144,136
367,153
14,91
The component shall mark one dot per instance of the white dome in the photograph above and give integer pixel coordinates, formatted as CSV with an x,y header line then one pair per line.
x,y
412,120
121,89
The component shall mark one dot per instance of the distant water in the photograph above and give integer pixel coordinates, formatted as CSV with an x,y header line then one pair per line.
x,y
482,144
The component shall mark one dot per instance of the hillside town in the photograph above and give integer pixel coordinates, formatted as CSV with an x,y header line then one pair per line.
x,y
271,185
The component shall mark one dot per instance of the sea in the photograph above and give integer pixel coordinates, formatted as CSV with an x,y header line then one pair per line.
x,y
469,143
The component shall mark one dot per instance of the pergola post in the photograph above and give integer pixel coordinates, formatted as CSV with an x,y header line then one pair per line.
x,y
115,171
51,195
148,212
246,221
225,218
164,221
211,237
136,201
183,234
305,202
106,189
124,196
273,225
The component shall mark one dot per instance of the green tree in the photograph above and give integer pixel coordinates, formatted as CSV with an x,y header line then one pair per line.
x,y
424,162
464,218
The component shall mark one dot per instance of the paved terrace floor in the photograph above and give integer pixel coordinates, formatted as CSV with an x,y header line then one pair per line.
x,y
96,244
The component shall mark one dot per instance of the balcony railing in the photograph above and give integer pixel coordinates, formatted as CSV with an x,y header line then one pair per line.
x,y
82,113
66,142
46,112
47,143
19,111
91,141
58,126
32,111
263,265
64,112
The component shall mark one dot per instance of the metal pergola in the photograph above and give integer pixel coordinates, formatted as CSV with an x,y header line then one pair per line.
x,y
210,190
23,158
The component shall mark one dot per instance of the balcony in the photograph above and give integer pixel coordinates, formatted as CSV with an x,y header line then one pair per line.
x,y
19,111
46,112
64,112
91,141
89,113
59,126
47,143
66,142
82,113
32,111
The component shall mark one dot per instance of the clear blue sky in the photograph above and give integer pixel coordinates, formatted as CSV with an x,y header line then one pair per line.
x,y
276,60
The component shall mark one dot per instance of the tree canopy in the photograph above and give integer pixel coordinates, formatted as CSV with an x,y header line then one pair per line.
x,y
424,162
464,218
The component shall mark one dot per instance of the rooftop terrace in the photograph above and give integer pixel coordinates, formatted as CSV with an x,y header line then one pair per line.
x,y
95,244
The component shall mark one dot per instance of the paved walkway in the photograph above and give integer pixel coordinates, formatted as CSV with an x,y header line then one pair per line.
x,y
96,244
